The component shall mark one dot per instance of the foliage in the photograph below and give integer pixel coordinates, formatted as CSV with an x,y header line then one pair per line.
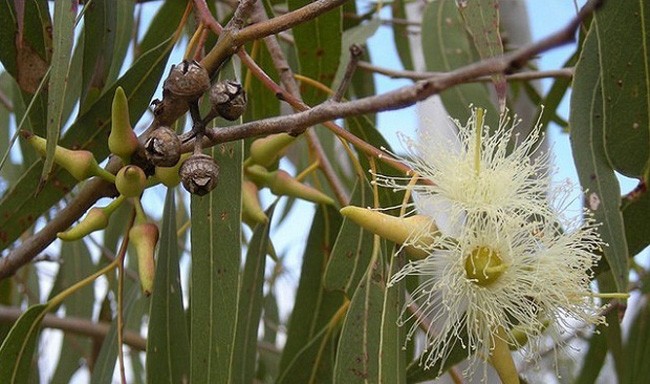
x,y
76,73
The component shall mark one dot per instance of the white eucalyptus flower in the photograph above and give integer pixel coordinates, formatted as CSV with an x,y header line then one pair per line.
x,y
511,274
476,172
507,261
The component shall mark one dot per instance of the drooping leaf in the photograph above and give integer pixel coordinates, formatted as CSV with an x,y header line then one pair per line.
x,y
357,35
250,304
17,350
76,265
401,35
216,248
624,57
370,346
594,358
594,170
105,364
100,28
65,14
168,348
123,34
308,354
352,250
318,46
446,47
635,208
637,347
482,21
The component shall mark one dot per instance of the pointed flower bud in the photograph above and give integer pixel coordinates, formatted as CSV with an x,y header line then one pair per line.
x,y
95,219
144,238
252,212
122,141
266,151
283,184
415,232
81,164
130,181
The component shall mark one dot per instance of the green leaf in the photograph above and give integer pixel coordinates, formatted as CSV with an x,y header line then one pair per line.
x,y
636,210
356,35
123,34
352,250
594,170
446,47
100,30
21,206
167,342
623,35
370,346
216,254
401,34
76,265
308,354
318,46
637,347
17,350
482,21
594,358
250,304
105,364
65,13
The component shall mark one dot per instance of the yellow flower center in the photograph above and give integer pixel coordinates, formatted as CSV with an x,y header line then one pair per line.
x,y
484,266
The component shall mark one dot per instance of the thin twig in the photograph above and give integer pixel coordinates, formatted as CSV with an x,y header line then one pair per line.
x,y
355,54
417,75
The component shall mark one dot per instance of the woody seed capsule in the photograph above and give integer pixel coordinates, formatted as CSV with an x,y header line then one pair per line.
x,y
163,147
228,99
187,80
199,174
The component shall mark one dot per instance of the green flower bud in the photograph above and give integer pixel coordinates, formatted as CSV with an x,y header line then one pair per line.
x,y
169,176
416,231
267,150
96,219
144,238
252,212
81,164
283,184
130,181
122,141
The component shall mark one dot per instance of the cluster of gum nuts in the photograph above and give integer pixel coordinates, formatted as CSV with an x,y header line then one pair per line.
x,y
198,172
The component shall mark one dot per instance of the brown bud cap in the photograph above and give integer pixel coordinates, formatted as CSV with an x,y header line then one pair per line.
x,y
199,174
188,81
130,181
228,99
144,238
163,147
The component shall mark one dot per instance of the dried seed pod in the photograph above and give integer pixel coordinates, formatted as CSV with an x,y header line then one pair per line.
x,y
187,80
228,99
199,174
163,147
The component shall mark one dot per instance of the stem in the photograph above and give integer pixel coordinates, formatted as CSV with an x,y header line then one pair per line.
x,y
501,359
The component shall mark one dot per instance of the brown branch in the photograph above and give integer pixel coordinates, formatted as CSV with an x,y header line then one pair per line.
x,y
77,326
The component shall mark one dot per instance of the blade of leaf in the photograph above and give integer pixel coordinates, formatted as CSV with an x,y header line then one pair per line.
x,y
318,46
594,170
167,342
105,364
250,304
17,349
216,254
482,21
76,265
309,347
594,358
625,76
446,47
100,28
370,349
637,347
401,34
352,250
65,13
123,34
